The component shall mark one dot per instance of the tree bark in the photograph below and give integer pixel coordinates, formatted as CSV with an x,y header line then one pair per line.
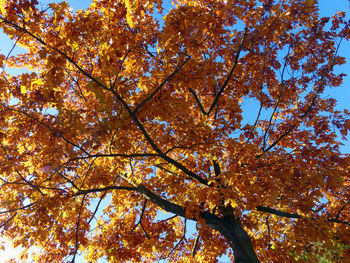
x,y
228,226
232,230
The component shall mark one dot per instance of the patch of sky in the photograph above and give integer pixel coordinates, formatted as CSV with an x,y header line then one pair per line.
x,y
50,111
13,101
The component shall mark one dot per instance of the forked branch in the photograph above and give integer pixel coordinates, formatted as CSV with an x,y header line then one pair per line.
x,y
218,95
140,220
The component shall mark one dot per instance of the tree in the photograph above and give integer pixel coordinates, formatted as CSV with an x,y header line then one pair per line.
x,y
121,118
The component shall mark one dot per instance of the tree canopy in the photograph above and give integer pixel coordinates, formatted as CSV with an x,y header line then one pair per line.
x,y
128,121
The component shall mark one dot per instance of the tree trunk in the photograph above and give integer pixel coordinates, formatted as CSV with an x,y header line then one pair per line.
x,y
228,226
234,233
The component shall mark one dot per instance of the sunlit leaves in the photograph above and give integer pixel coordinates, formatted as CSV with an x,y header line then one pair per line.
x,y
128,112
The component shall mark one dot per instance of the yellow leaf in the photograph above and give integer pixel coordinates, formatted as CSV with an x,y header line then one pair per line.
x,y
2,5
38,82
28,163
31,169
21,149
23,89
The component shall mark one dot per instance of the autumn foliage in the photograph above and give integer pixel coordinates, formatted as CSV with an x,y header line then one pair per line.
x,y
127,121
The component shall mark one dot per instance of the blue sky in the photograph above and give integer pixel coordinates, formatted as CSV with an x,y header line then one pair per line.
x,y
327,8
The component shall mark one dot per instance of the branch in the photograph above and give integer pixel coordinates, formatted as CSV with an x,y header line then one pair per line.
x,y
293,215
69,180
161,85
78,85
19,174
230,73
133,155
277,212
268,231
155,147
164,204
88,75
14,45
140,220
339,221
179,242
16,209
198,102
103,189
217,169
8,220
97,206
278,100
341,209
195,246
